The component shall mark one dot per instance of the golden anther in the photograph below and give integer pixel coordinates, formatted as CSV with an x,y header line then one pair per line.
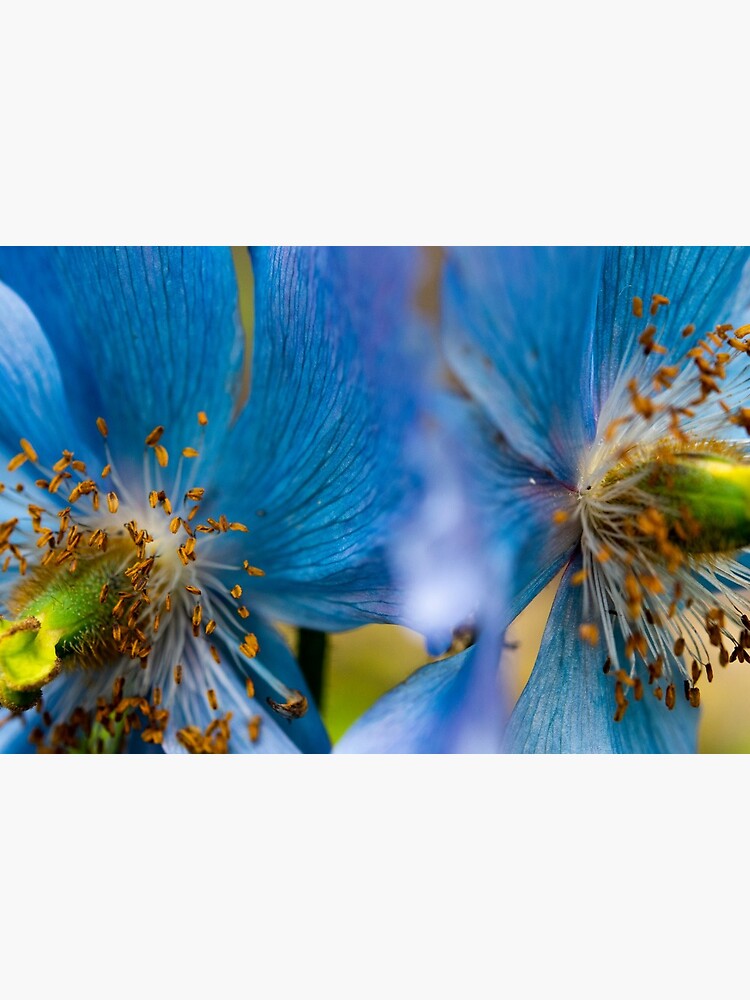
x,y
155,436
249,646
28,450
589,633
293,708
252,570
101,425
656,301
671,697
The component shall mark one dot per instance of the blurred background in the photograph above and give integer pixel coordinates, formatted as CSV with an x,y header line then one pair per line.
x,y
363,664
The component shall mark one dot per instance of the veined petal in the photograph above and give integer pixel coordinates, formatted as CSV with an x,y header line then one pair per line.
x,y
33,404
528,515
519,322
320,442
275,734
144,336
704,285
568,704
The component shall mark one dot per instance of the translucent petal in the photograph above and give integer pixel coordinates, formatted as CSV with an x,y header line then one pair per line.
x,y
568,705
705,286
518,328
317,455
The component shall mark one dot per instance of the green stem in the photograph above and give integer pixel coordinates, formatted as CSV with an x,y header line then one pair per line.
x,y
311,655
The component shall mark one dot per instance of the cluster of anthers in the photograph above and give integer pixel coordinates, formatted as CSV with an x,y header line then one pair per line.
x,y
94,590
663,503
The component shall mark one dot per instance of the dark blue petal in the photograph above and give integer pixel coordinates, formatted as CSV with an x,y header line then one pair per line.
x,y
702,284
454,705
518,330
316,456
568,704
144,336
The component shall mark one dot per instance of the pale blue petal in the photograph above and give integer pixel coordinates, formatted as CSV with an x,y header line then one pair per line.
x,y
568,705
454,705
702,284
517,503
518,329
277,734
33,404
14,732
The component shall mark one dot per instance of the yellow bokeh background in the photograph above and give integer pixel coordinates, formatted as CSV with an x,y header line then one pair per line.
x,y
366,662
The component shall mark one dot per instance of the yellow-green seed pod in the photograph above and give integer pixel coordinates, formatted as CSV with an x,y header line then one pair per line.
x,y
28,660
705,500
56,615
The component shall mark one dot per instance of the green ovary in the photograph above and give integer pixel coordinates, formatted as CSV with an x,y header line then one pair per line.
x,y
57,614
706,499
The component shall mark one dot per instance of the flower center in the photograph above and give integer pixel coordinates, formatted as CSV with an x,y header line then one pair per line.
x,y
664,509
106,578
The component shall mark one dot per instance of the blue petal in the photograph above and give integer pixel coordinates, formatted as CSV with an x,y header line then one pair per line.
x,y
702,284
316,456
454,705
277,734
144,336
33,404
517,503
14,732
568,704
519,323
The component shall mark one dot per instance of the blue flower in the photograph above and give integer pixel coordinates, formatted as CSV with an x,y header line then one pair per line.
x,y
173,488
606,434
